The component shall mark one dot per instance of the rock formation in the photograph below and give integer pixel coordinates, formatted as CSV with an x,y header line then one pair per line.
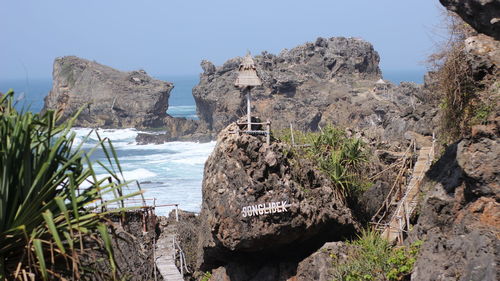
x,y
110,98
482,15
329,81
460,217
303,208
318,266
293,82
176,129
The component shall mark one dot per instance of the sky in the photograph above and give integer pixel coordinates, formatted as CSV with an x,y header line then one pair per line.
x,y
171,37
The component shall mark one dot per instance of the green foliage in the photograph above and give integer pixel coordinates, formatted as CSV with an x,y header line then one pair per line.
x,y
481,114
372,258
206,276
341,157
46,213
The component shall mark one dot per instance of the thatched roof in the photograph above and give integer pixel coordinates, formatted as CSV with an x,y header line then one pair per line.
x,y
247,73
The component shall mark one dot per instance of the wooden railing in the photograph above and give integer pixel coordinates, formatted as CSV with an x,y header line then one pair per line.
x,y
266,132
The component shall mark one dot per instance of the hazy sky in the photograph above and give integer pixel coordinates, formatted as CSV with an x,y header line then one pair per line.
x,y
168,37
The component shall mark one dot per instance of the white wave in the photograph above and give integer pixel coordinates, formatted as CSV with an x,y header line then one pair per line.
x,y
138,174
113,134
173,171
175,146
199,160
131,175
191,108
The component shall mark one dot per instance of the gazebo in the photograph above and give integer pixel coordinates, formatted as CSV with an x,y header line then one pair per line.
x,y
381,84
246,80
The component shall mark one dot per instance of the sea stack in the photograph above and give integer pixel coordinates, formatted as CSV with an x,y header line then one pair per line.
x,y
110,98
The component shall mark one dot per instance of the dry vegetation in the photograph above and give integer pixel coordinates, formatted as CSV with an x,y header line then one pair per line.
x,y
462,95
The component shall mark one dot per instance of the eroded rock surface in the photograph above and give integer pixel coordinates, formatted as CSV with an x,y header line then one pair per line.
x,y
176,129
244,171
329,81
483,15
319,265
460,219
111,98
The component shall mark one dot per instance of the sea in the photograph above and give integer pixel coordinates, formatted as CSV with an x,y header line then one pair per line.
x,y
169,173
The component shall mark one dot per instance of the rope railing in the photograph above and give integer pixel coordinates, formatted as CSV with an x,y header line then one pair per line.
x,y
182,257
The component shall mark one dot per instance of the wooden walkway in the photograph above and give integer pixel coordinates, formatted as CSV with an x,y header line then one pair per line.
x,y
165,253
409,202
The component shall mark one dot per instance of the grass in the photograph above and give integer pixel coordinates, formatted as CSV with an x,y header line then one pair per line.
x,y
46,213
372,258
341,157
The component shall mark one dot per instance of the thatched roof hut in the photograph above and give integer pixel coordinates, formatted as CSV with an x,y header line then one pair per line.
x,y
247,73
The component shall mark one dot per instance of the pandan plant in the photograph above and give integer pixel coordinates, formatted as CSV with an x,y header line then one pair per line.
x,y
47,213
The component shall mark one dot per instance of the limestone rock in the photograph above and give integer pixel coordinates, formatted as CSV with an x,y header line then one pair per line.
x,y
177,129
329,81
287,80
318,266
460,222
244,171
482,15
483,55
110,98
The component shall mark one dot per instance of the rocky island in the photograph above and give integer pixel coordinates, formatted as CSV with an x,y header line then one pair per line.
x,y
330,81
110,98
276,212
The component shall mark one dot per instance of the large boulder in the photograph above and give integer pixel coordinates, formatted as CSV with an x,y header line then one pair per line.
x,y
460,217
319,265
330,81
482,15
294,82
110,98
242,176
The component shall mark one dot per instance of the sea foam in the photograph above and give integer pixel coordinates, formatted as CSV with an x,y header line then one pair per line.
x,y
171,172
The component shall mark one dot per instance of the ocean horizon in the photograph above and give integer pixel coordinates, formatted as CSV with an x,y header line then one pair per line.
x,y
170,172
32,91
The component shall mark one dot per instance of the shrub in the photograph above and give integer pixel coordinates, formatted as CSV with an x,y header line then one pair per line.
x,y
341,157
206,276
46,213
372,258
456,87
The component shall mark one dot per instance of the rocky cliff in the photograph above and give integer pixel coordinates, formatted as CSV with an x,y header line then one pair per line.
x,y
483,15
110,98
459,220
460,216
329,81
263,210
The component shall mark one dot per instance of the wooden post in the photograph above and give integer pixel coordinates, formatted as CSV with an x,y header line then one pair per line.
x,y
144,218
182,262
154,258
407,215
176,212
173,247
153,213
268,129
249,108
